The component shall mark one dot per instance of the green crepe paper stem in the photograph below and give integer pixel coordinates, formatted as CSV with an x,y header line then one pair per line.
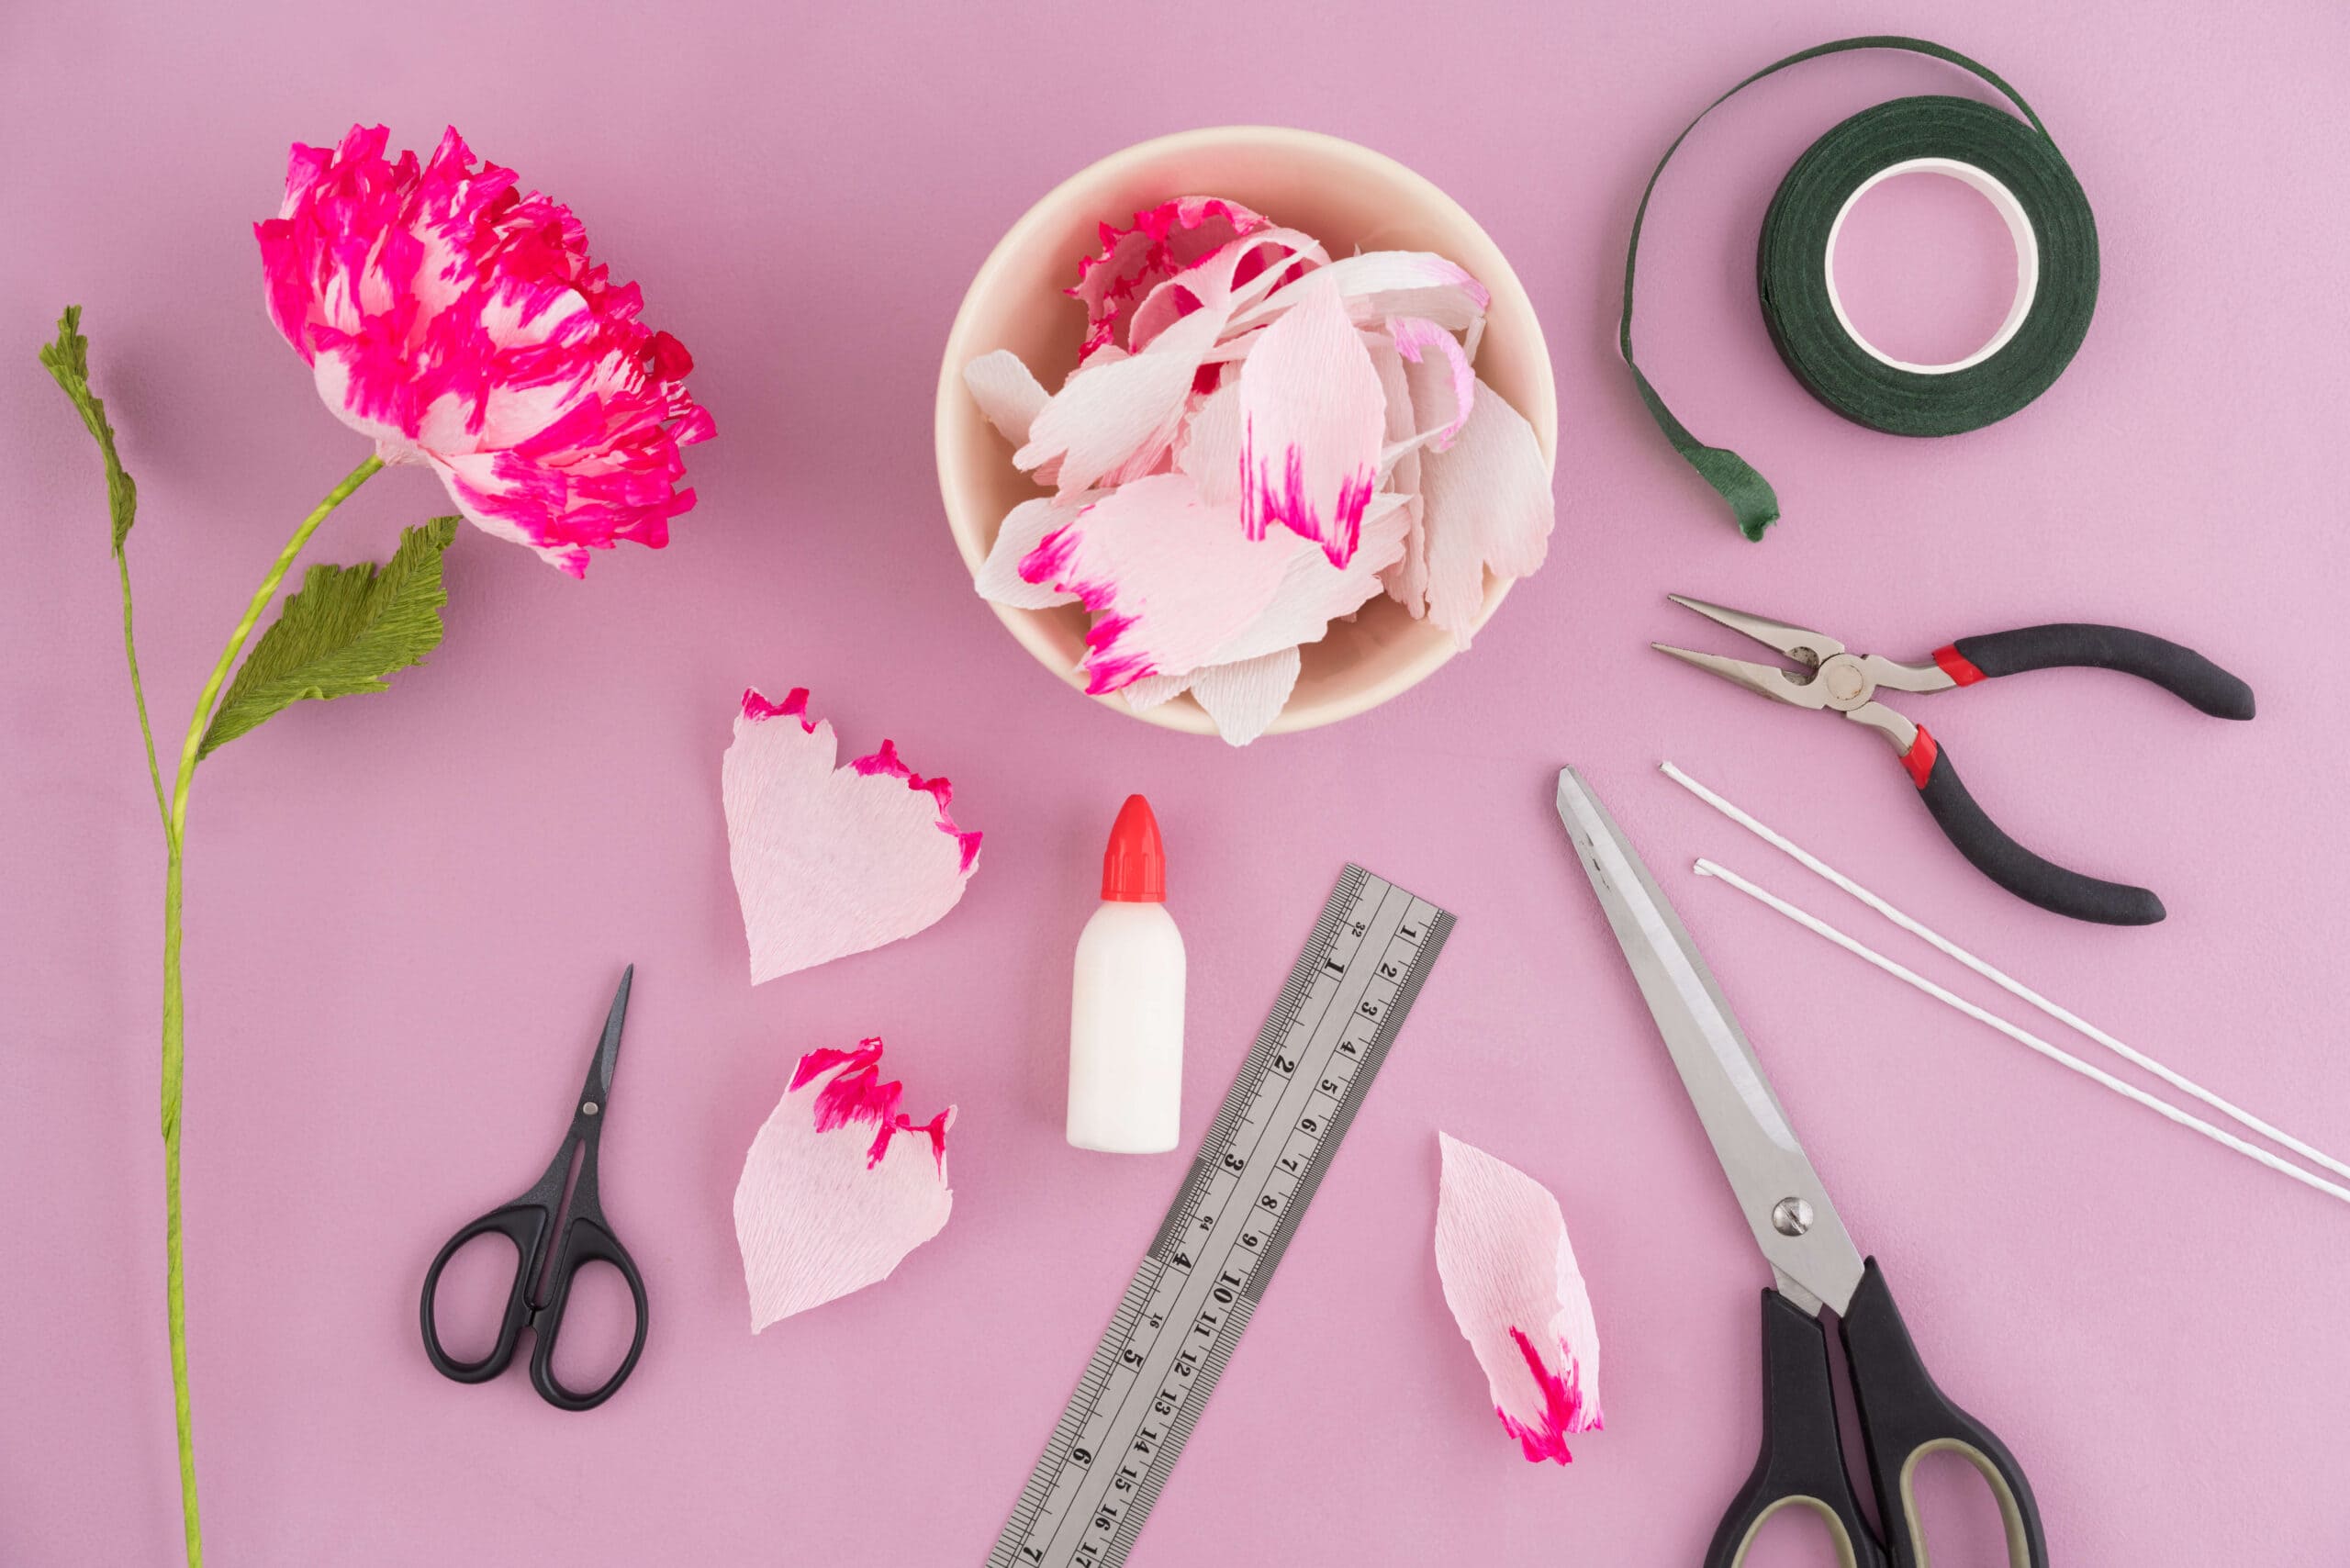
x,y
174,1013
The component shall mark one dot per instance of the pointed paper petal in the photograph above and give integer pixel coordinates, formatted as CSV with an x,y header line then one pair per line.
x,y
1313,593
1312,413
1244,698
1509,1276
1112,422
1006,393
1168,578
839,1186
830,861
1024,527
1488,505
1162,240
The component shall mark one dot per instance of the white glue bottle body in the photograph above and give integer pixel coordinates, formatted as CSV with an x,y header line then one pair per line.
x,y
1126,1024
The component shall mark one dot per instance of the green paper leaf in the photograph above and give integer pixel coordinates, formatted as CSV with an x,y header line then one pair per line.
x,y
68,363
341,634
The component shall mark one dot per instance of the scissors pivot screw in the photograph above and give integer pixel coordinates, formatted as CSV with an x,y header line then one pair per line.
x,y
588,1109
1791,1216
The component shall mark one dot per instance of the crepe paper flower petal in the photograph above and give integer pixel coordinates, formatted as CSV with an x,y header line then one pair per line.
x,y
1210,448
1162,240
1376,284
1489,506
1235,278
1440,404
827,860
1313,593
459,323
1023,528
1244,697
1510,1278
839,1186
1167,577
1112,422
1312,413
1152,690
1006,393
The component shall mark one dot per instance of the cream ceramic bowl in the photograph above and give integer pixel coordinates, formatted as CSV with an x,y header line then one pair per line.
x,y
1347,197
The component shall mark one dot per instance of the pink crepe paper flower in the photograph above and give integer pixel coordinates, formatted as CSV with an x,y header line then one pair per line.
x,y
838,1186
1509,1276
460,323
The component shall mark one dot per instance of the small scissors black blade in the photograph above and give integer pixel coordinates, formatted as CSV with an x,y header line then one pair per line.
x,y
578,1235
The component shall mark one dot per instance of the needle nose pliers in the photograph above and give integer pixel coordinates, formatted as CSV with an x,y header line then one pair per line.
x,y
1830,678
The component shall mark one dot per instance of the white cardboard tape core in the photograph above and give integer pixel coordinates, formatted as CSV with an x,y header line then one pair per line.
x,y
2003,201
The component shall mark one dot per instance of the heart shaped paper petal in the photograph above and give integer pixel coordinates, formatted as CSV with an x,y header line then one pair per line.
x,y
1509,1276
839,1186
1244,697
831,861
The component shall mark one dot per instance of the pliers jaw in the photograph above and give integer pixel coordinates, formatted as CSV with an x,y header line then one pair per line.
x,y
1829,677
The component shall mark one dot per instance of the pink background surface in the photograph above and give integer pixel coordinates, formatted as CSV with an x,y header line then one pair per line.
x,y
407,913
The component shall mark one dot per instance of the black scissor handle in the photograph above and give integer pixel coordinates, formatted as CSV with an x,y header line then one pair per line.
x,y
2181,671
1904,1417
2009,864
525,1226
1802,1461
584,1241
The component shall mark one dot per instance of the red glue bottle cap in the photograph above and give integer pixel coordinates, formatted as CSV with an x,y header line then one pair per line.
x,y
1133,868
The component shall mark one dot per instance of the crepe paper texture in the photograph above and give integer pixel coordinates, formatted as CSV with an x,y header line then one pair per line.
x,y
2000,978
828,860
839,1186
1249,421
1510,1278
2024,1038
461,326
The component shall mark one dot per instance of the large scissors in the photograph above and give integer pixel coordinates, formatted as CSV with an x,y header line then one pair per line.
x,y
542,1283
1904,1417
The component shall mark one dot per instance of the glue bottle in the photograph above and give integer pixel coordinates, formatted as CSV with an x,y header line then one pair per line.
x,y
1125,1021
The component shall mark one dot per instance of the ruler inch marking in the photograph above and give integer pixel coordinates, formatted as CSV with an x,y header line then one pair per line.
x,y
1257,1169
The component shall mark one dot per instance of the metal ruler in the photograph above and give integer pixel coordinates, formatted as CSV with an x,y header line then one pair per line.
x,y
1216,1251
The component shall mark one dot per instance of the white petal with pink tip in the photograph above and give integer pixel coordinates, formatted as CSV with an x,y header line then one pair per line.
x,y
839,1186
1312,415
1509,1276
831,861
1168,578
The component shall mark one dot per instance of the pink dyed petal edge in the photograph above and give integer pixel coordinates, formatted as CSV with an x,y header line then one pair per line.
x,y
885,760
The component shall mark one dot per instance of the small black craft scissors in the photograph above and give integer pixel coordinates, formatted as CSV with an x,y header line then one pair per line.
x,y
1833,679
543,1285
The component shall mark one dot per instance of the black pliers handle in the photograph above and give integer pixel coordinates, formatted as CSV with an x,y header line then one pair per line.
x,y
1830,678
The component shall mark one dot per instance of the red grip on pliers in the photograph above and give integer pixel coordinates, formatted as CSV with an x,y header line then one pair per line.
x,y
1957,666
1920,758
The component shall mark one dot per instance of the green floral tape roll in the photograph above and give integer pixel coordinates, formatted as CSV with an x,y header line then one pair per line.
x,y
2011,161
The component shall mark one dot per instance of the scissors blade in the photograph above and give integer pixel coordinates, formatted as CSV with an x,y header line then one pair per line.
x,y
1783,1202
607,1052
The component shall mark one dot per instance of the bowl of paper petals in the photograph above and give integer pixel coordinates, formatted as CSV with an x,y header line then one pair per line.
x,y
1246,430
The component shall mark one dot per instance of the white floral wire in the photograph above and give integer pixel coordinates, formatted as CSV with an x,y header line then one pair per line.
x,y
2013,987
2022,1037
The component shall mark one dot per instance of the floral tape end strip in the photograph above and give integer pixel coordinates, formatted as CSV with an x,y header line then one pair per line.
x,y
2011,161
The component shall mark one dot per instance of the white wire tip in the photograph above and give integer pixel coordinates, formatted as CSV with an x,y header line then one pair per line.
x,y
2014,988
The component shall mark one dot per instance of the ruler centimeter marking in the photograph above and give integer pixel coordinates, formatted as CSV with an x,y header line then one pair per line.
x,y
1207,1268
